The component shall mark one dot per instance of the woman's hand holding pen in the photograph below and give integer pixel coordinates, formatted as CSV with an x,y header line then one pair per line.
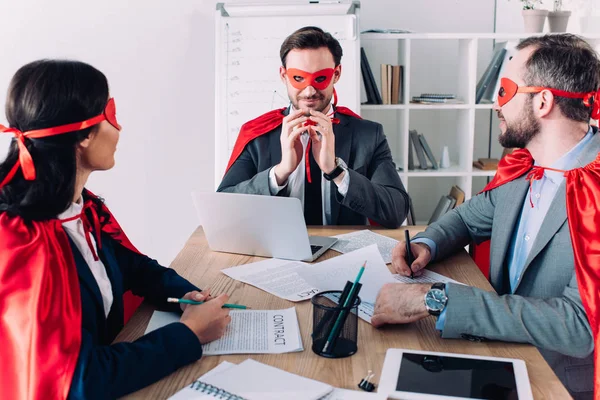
x,y
196,296
422,255
208,320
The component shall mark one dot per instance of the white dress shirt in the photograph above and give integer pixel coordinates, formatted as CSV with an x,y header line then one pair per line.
x,y
295,184
77,234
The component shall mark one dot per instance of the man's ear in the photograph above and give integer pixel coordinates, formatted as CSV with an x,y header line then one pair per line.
x,y
545,104
337,73
282,74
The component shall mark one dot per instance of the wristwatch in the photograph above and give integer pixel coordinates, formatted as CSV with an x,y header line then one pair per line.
x,y
340,167
436,299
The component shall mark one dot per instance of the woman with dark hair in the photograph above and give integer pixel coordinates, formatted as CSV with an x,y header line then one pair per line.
x,y
65,262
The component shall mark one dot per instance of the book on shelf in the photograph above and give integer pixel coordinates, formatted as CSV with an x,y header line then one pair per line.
x,y
397,78
418,148
438,95
435,100
373,95
422,149
486,164
389,79
455,198
428,151
444,205
391,83
490,75
458,194
385,87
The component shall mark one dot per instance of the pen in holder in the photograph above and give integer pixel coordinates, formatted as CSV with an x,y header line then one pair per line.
x,y
335,327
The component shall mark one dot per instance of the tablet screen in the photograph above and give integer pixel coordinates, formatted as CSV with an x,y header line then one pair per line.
x,y
454,376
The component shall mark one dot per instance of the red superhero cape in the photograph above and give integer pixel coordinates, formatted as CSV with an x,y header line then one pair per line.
x,y
583,215
40,306
263,124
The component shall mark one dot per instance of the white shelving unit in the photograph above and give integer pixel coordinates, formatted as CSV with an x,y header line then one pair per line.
x,y
465,114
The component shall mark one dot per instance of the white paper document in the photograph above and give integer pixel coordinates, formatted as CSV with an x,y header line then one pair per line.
x,y
348,242
250,332
297,281
333,274
278,277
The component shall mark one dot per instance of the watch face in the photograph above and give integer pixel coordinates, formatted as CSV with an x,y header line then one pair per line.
x,y
435,299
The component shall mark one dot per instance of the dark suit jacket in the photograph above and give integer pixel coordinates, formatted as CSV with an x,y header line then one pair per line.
x,y
375,189
106,371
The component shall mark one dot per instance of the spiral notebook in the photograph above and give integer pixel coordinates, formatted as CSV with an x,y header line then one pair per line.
x,y
251,380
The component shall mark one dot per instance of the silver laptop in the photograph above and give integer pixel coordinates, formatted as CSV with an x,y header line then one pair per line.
x,y
267,226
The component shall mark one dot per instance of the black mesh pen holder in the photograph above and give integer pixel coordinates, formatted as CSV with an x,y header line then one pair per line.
x,y
335,328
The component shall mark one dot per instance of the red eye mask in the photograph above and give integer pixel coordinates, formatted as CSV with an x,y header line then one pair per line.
x,y
320,80
508,90
26,162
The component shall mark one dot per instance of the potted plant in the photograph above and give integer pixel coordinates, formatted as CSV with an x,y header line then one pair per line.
x,y
533,18
558,18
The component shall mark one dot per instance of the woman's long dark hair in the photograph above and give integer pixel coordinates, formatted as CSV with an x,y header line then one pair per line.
x,y
44,94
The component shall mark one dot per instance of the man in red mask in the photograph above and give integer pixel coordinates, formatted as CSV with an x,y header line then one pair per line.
x,y
339,165
540,212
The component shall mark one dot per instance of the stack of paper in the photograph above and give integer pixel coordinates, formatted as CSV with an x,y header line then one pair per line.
x,y
250,332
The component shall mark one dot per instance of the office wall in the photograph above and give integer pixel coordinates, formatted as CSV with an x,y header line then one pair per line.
x,y
158,57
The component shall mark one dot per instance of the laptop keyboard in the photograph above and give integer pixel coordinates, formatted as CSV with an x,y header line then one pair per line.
x,y
315,248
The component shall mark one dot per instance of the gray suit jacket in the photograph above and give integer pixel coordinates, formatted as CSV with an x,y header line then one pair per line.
x,y
375,189
545,309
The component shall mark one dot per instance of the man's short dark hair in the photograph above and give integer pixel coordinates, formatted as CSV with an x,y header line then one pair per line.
x,y
311,37
564,62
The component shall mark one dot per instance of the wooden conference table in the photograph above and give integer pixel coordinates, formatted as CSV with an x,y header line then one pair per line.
x,y
197,263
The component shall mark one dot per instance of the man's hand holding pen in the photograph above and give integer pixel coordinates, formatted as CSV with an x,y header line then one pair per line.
x,y
422,257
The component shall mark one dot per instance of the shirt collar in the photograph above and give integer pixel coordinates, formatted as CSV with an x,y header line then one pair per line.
x,y
568,160
73,210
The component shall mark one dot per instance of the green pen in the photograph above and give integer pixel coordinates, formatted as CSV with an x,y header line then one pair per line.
x,y
186,301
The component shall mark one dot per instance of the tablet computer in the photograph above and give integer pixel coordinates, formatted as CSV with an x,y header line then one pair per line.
x,y
413,374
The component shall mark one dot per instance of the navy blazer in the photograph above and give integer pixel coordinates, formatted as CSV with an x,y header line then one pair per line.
x,y
106,371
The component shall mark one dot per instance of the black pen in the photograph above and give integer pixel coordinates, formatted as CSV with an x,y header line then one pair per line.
x,y
409,255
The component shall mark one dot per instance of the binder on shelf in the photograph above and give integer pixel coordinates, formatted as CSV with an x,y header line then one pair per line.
x,y
418,149
369,79
371,99
428,151
444,205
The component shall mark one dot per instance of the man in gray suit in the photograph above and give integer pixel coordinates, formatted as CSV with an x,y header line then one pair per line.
x,y
531,262
339,165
